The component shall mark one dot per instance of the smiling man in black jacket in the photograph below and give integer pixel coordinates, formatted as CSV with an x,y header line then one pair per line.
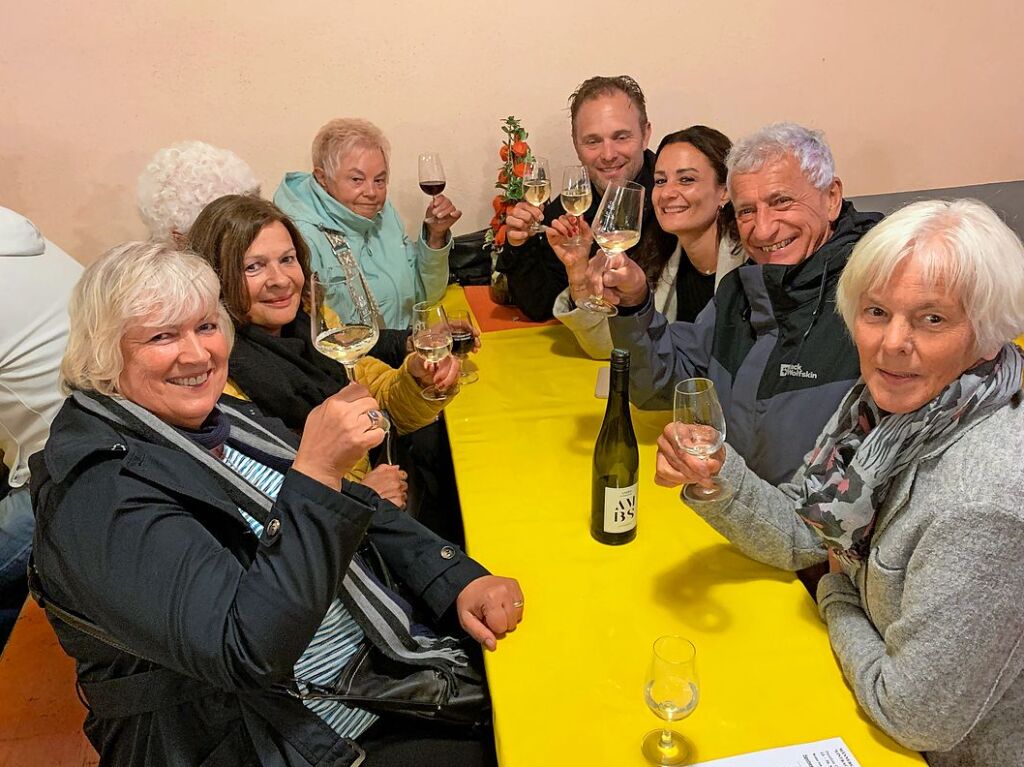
x,y
610,131
770,340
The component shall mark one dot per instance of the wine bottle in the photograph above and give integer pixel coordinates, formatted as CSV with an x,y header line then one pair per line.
x,y
616,463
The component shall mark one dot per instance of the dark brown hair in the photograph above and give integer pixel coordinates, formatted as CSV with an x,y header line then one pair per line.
x,y
607,86
223,232
657,245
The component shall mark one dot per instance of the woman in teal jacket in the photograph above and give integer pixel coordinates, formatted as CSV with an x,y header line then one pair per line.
x,y
347,192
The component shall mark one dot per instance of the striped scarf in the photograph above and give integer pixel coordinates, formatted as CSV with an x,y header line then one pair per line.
x,y
384,617
862,449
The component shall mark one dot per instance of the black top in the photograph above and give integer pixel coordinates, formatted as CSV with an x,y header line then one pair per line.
x,y
535,275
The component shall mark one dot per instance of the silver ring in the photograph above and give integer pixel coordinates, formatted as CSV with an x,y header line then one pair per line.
x,y
518,603
374,416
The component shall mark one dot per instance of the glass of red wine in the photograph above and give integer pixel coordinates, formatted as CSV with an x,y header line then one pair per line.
x,y
431,174
463,339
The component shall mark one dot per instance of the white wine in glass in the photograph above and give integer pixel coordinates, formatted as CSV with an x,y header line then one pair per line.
x,y
432,340
697,410
536,186
616,229
344,341
576,195
671,691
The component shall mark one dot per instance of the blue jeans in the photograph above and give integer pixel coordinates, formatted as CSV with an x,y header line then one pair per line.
x,y
16,526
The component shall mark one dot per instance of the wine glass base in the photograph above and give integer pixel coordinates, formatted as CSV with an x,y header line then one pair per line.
x,y
468,377
721,492
434,394
600,307
656,752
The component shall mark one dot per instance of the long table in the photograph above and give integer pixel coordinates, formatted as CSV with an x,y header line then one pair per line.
x,y
567,684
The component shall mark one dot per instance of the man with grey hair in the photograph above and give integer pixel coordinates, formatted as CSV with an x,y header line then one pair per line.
x,y
770,340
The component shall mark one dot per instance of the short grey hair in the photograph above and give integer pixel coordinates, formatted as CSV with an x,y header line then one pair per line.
x,y
774,142
962,244
129,282
339,137
182,179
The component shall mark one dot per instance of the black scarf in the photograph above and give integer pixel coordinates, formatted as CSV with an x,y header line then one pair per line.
x,y
285,376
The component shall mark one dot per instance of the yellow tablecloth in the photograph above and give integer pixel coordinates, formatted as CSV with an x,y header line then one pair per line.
x,y
567,685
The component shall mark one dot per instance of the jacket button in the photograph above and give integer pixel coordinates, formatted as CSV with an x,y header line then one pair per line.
x,y
447,552
273,528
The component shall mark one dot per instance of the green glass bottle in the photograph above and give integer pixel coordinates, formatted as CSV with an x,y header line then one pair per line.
x,y
616,463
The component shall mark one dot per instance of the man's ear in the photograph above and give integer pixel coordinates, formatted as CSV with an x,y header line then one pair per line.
x,y
835,198
647,135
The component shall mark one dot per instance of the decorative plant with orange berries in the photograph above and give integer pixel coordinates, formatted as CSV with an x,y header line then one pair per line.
x,y
514,153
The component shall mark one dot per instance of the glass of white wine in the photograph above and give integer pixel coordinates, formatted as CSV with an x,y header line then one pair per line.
x,y
616,229
432,340
696,407
343,341
576,195
671,691
536,186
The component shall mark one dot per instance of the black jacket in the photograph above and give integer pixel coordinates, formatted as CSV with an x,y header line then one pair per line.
x,y
133,537
771,340
535,275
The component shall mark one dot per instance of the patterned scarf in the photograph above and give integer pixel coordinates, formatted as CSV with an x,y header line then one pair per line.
x,y
384,617
862,449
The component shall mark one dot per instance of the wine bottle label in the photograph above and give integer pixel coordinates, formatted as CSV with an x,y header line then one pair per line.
x,y
619,509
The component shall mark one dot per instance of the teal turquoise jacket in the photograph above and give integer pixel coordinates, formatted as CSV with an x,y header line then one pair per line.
x,y
400,272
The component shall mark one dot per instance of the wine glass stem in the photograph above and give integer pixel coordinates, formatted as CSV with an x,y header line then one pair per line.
x,y
666,739
350,371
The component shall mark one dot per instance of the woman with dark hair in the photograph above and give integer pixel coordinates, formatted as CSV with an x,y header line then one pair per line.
x,y
684,254
263,265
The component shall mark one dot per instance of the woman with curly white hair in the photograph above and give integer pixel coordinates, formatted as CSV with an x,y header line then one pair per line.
x,y
184,178
912,490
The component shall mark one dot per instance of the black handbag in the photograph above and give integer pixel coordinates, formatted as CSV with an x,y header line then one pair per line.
x,y
469,261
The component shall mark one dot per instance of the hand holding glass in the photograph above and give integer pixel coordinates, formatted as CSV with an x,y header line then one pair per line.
x,y
343,341
671,691
696,406
432,339
616,229
536,186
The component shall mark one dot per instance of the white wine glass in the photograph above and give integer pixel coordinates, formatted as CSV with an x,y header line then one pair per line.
x,y
536,186
345,341
616,229
696,406
432,340
576,195
671,691
463,338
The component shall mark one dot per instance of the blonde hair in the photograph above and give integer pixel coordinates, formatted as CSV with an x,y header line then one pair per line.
x,y
964,245
129,282
338,137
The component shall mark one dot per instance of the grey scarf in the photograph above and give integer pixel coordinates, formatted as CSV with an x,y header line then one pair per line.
x,y
862,449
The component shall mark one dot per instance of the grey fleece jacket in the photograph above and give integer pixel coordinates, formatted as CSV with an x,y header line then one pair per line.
x,y
929,630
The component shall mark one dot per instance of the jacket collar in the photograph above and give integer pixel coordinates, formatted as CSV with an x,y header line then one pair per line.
x,y
342,215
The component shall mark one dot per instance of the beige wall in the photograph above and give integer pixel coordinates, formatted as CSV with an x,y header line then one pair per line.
x,y
910,94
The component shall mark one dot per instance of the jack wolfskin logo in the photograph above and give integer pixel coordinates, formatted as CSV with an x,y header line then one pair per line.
x,y
796,371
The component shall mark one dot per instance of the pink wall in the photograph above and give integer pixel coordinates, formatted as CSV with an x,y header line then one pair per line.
x,y
911,94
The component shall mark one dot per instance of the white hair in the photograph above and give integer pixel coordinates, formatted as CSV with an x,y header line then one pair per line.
x,y
774,142
129,282
184,178
964,245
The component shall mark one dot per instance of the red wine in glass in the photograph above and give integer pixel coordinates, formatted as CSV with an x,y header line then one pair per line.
x,y
433,188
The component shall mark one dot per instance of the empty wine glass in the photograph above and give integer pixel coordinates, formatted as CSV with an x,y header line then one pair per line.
x,y
536,186
697,407
616,229
432,339
575,195
671,691
461,324
345,341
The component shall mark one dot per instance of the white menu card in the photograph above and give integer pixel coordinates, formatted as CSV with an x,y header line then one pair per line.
x,y
823,753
